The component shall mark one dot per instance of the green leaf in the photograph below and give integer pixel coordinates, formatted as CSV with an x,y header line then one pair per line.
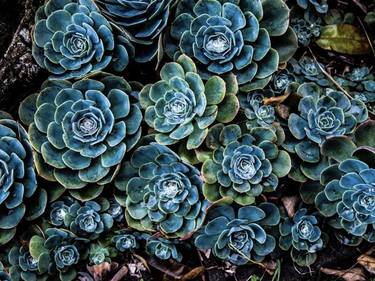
x,y
228,109
343,38
36,246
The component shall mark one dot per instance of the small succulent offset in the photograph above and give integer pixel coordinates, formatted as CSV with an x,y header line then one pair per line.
x,y
321,6
162,248
116,211
24,266
306,69
281,80
321,116
349,197
142,21
126,241
160,192
248,38
243,165
99,254
90,219
306,31
59,251
239,237
303,234
181,106
18,184
81,131
72,39
59,210
257,113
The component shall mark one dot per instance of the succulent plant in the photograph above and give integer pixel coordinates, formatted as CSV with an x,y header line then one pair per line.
x,y
72,39
348,197
59,210
281,80
307,69
321,6
18,184
257,113
303,234
305,31
239,237
242,165
81,131
126,240
4,276
116,211
60,251
162,248
245,37
24,266
99,254
181,106
143,22
90,219
160,192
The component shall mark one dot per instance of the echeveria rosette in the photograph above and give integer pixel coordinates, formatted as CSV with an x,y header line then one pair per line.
x,y
126,241
245,37
18,184
24,266
116,211
257,113
162,248
142,21
60,251
348,197
321,6
160,192
306,69
99,254
303,234
281,81
81,131
90,219
59,210
72,39
181,107
239,237
242,165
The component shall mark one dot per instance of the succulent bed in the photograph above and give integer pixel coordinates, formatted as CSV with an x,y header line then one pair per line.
x,y
191,140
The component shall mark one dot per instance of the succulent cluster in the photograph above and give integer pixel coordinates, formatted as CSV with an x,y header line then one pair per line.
x,y
227,141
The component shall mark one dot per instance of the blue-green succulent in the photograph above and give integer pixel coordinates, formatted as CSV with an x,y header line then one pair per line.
x,y
306,31
142,21
321,6
181,107
18,183
306,69
242,165
126,241
99,254
239,237
348,198
281,80
160,192
4,276
59,210
116,211
162,248
72,39
248,38
303,234
81,131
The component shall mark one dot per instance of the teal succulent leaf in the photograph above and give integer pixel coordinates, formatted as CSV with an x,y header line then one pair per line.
x,y
182,107
243,165
18,183
246,38
81,131
162,248
320,6
239,237
307,69
126,241
116,211
143,22
72,39
160,192
59,210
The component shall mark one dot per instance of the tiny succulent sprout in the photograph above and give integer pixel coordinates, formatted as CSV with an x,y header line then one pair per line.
x,y
98,254
162,248
160,192
239,237
320,6
81,131
306,69
303,234
281,80
348,198
242,165
142,21
181,107
59,210
126,241
248,38
116,211
72,39
18,183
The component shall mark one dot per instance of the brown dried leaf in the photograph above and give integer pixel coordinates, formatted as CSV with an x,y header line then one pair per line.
x,y
354,274
99,272
283,111
194,273
290,203
367,262
275,100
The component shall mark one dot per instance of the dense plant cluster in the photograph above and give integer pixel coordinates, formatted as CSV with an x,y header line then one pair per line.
x,y
195,156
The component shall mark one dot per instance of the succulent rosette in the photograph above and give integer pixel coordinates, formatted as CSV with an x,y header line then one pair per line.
x,y
303,234
307,69
24,266
99,254
348,197
59,251
243,165
181,107
162,248
321,6
245,37
59,210
125,241
142,21
239,237
281,80
18,184
160,192
72,39
89,220
116,211
81,131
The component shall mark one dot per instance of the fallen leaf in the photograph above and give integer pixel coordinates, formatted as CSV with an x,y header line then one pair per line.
x,y
367,262
194,273
353,274
290,203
